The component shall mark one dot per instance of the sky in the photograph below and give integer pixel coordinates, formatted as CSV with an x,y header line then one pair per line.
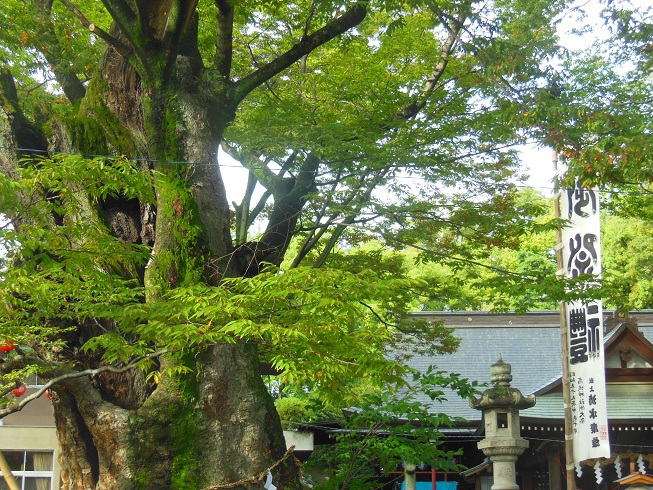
x,y
539,164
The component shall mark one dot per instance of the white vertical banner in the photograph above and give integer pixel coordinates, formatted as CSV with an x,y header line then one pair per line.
x,y
581,252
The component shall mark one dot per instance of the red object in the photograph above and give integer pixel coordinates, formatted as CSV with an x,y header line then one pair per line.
x,y
48,395
20,391
8,347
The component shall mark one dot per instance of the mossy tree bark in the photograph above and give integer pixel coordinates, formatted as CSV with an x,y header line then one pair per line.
x,y
217,425
155,98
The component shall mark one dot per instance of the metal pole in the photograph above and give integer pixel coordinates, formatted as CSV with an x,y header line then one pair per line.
x,y
566,394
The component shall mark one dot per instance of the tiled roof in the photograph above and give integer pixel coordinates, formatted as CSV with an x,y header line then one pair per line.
x,y
530,343
625,403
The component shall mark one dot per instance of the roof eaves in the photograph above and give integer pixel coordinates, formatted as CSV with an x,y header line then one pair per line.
x,y
549,386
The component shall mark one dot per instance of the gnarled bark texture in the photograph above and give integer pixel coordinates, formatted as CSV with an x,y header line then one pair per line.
x,y
217,426
153,98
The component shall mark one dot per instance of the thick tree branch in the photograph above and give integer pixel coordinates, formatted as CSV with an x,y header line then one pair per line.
x,y
224,38
16,407
143,17
290,195
421,99
342,24
134,25
180,17
242,210
288,204
26,134
176,19
49,45
122,48
121,13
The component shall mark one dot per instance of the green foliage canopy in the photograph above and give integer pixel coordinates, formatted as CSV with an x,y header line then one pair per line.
x,y
385,120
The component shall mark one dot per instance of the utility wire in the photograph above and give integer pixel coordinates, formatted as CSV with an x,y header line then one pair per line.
x,y
418,178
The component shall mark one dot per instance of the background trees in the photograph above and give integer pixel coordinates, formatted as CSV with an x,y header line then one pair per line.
x,y
357,120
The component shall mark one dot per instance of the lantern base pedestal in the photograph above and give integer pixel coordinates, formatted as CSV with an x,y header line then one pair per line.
x,y
503,470
503,453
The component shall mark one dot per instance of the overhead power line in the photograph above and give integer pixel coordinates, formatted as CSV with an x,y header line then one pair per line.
x,y
419,178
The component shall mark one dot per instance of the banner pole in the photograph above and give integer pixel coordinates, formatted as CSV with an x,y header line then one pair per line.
x,y
566,393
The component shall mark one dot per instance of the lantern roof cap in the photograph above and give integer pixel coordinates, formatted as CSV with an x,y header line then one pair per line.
x,y
502,395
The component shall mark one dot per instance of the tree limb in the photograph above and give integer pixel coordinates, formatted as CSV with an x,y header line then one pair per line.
x,y
28,136
143,17
243,209
252,162
363,200
180,17
342,24
289,199
121,12
60,65
224,38
122,49
16,407
421,99
259,207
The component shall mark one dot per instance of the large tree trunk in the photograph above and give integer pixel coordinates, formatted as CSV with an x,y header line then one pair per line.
x,y
218,425
214,429
93,443
244,428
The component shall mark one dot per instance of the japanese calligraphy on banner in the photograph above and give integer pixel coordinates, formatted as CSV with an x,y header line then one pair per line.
x,y
581,254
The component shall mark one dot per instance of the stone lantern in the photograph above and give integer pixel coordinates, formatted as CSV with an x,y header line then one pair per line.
x,y
502,443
